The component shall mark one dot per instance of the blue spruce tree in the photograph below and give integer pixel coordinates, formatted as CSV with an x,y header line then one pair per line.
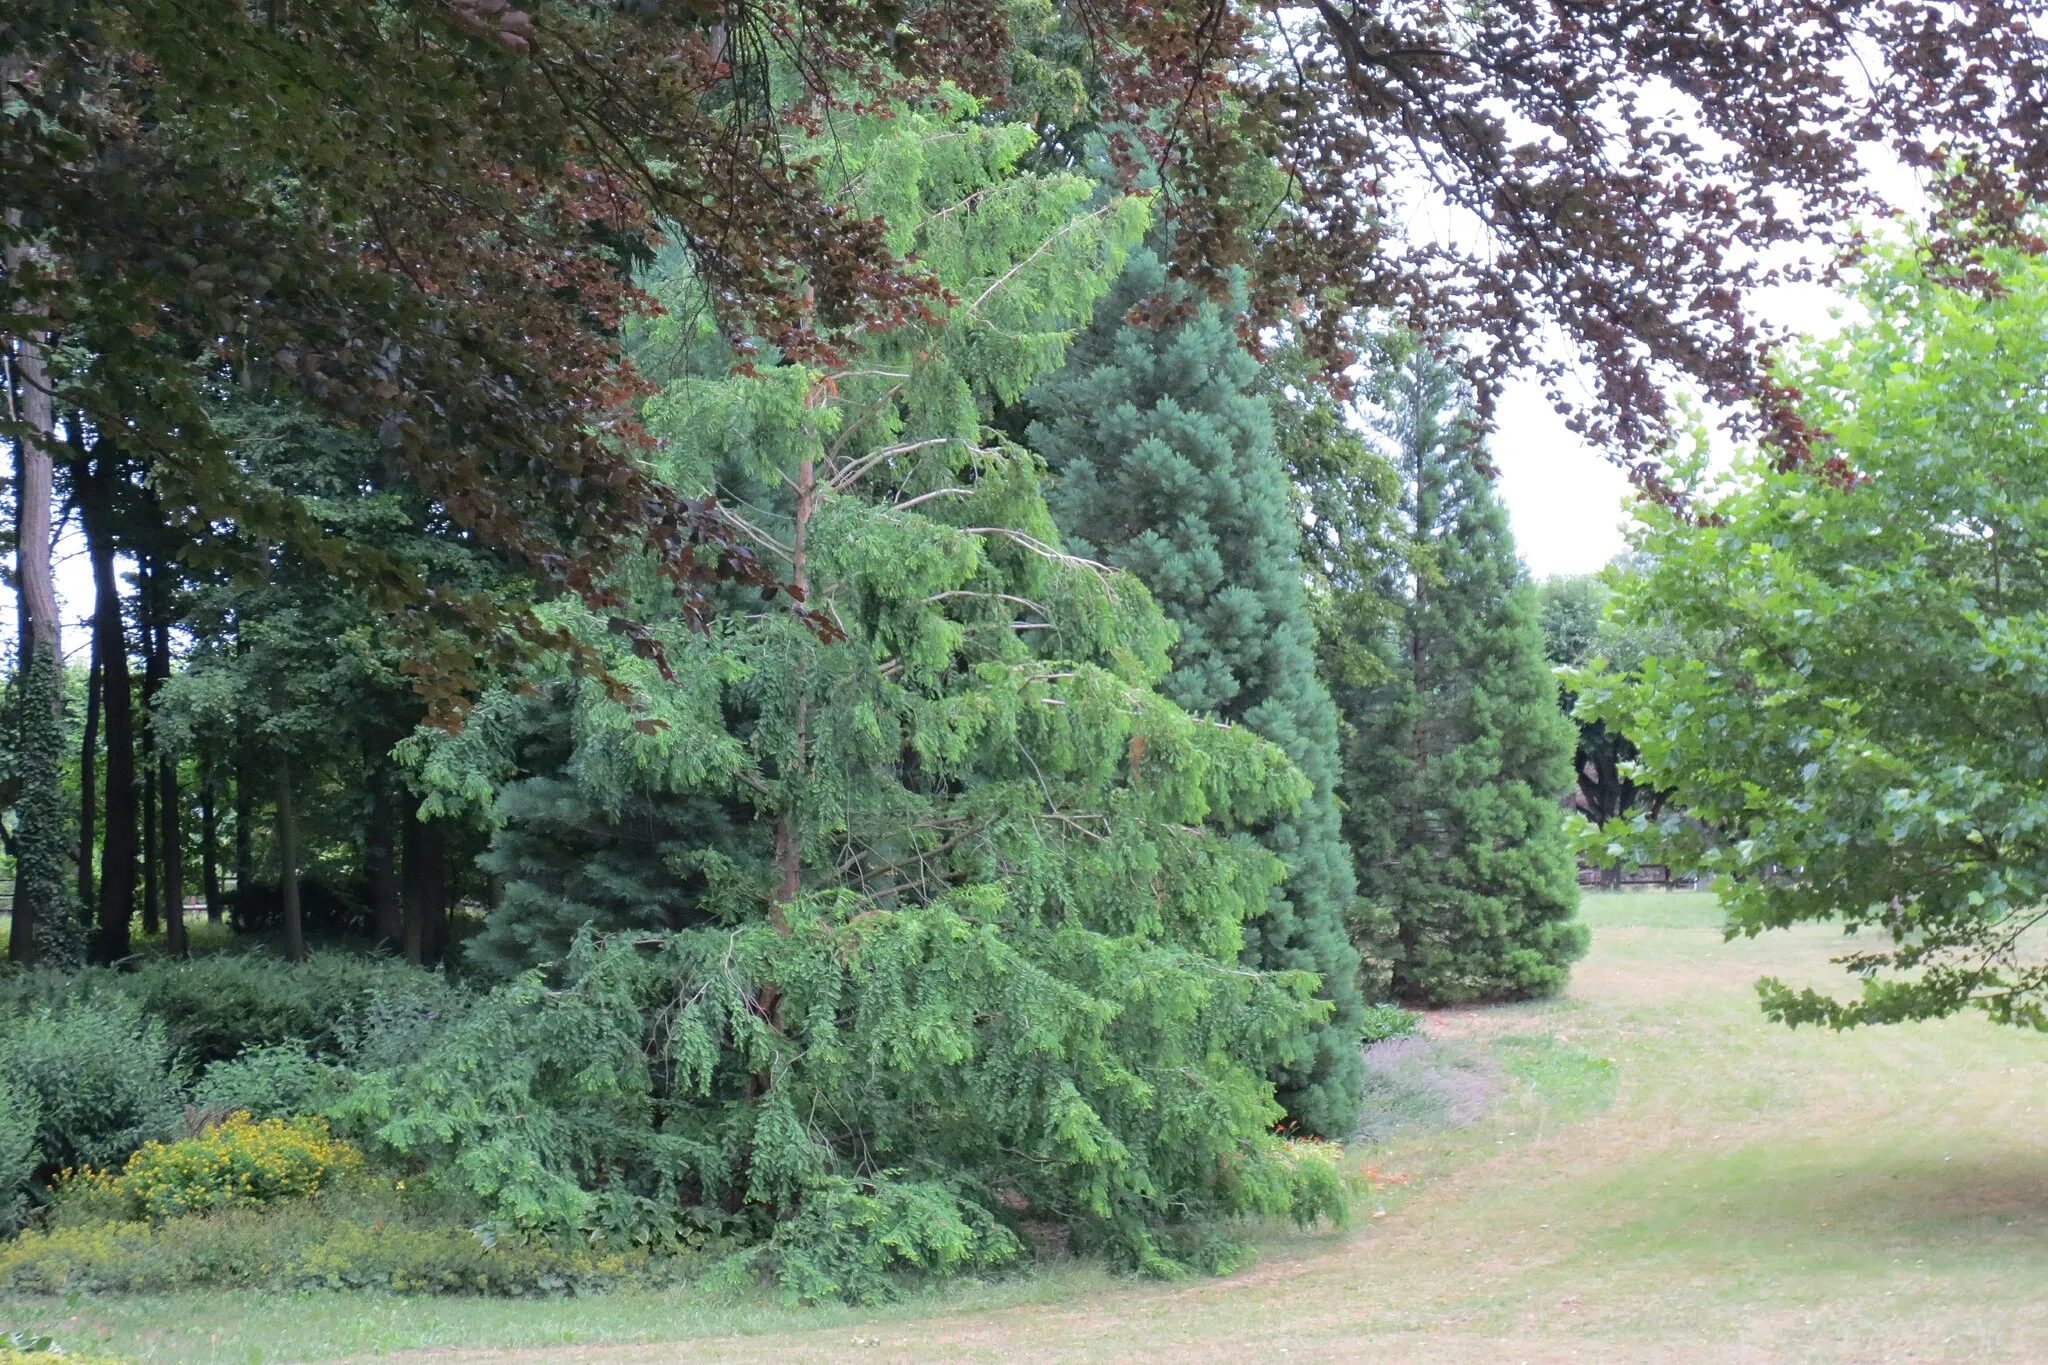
x,y
1165,466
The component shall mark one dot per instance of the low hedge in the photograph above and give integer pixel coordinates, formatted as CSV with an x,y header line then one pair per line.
x,y
309,1245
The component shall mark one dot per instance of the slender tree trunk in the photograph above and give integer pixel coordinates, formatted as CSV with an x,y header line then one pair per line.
x,y
45,925
147,610
379,836
209,836
116,904
169,801
288,863
433,845
415,890
88,779
245,820
788,836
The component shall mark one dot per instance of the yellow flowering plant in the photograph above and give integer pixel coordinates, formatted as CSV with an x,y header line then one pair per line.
x,y
240,1162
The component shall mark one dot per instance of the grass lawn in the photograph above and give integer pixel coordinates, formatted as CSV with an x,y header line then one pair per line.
x,y
1661,1176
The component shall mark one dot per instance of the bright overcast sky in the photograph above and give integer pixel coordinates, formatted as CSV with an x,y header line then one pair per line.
x,y
1566,500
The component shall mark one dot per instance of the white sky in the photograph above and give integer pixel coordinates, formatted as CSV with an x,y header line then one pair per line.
x,y
1566,501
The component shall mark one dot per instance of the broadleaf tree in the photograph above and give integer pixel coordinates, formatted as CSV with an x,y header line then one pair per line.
x,y
1853,732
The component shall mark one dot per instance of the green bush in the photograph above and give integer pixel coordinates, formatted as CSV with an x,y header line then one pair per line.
x,y
235,1164
349,1242
1389,1021
101,1076
271,1080
20,1152
848,1237
336,1003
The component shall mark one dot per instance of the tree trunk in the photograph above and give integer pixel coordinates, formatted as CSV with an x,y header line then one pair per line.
x,y
245,819
110,644
146,613
168,801
434,853
209,837
379,836
415,910
45,926
288,863
88,780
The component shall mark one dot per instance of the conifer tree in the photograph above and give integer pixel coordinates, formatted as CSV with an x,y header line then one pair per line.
x,y
905,929
1459,758
1167,468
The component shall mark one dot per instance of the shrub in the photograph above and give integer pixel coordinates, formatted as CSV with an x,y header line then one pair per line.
x,y
238,1163
847,1237
1389,1021
101,1077
20,1152
356,1242
335,1003
272,1080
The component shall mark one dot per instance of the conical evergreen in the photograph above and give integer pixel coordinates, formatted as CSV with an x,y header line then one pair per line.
x,y
1458,760
1166,468
932,919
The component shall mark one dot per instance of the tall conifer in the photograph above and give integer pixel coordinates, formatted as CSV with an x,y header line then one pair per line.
x,y
1166,468
932,919
1458,759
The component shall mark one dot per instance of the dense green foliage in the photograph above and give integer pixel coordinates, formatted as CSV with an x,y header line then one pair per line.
x,y
21,1116
98,1073
42,838
368,1239
1854,728
1459,757
1167,470
1579,628
961,880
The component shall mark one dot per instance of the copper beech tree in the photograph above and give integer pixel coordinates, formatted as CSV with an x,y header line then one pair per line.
x,y
420,216
421,220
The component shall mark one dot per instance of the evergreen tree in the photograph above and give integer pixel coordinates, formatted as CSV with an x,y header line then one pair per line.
x,y
932,903
1167,468
1459,758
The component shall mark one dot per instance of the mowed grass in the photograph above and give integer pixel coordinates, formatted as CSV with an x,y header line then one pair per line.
x,y
1661,1176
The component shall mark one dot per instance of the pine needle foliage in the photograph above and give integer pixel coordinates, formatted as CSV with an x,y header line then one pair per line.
x,y
899,941
1461,756
1167,468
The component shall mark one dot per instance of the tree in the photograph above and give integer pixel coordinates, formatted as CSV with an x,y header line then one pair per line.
x,y
298,671
1293,140
1854,727
1453,779
1166,469
1577,629
895,935
46,930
